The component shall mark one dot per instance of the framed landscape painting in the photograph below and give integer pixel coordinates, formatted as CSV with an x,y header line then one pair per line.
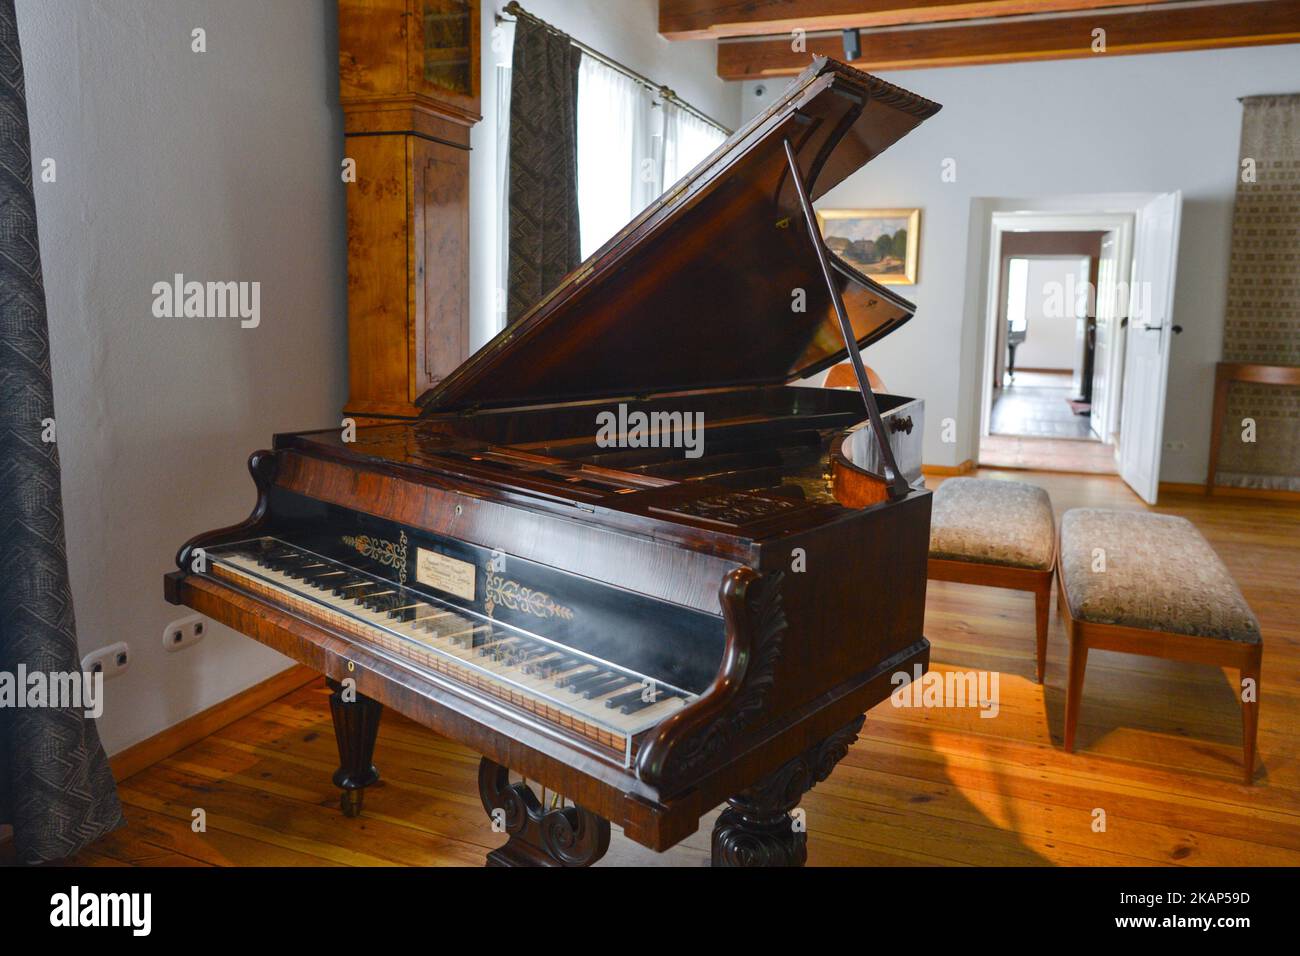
x,y
880,243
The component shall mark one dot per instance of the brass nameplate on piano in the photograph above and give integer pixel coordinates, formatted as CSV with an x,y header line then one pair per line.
x,y
444,573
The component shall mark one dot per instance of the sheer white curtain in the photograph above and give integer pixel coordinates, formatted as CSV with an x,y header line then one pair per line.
x,y
687,141
631,145
620,151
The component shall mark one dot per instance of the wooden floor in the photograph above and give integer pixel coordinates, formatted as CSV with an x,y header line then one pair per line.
x,y
1159,754
1051,454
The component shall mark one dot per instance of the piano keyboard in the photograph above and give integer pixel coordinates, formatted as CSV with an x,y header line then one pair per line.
x,y
572,690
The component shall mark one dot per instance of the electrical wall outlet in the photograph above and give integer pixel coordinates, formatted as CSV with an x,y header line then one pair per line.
x,y
179,635
111,661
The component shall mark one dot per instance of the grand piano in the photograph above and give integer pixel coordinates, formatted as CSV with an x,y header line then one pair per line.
x,y
619,554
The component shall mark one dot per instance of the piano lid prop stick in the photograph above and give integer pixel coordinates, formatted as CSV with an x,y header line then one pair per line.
x,y
898,487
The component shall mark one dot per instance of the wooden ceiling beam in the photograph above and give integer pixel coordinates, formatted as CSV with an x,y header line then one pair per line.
x,y
703,19
1146,30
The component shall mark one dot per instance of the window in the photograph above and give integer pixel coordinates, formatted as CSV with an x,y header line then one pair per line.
x,y
631,147
1017,294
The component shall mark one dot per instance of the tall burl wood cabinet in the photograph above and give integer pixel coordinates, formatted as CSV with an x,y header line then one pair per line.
x,y
409,85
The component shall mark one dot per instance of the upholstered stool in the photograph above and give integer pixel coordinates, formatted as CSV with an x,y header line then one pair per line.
x,y
1000,534
1151,584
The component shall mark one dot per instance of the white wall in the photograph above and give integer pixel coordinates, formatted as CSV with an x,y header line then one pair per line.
x,y
627,31
1150,123
1050,342
222,165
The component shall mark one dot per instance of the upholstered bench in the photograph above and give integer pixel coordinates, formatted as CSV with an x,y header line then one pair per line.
x,y
1151,584
999,534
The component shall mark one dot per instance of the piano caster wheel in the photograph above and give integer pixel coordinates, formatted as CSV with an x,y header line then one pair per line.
x,y
356,725
561,836
757,829
350,802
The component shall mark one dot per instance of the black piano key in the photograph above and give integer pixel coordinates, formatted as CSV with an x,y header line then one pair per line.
x,y
490,641
301,569
610,685
532,651
277,556
462,634
407,612
498,648
349,586
326,579
559,669
547,665
579,671
428,622
467,634
582,681
509,650
514,648
358,594
321,577
287,557
622,700
381,600
631,703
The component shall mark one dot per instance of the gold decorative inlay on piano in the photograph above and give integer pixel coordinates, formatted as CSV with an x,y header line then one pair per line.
x,y
515,596
385,552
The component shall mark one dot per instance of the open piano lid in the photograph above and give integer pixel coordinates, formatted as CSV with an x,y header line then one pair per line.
x,y
699,291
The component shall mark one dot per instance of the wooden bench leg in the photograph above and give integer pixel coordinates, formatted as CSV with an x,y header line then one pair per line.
x,y
1042,612
1250,714
1074,687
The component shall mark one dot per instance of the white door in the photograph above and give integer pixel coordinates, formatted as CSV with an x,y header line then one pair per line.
x,y
1107,334
1150,340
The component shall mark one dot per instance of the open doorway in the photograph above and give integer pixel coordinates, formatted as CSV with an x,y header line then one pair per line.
x,y
1045,374
1098,347
1044,389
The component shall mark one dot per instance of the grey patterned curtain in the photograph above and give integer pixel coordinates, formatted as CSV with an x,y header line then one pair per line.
x,y
55,786
543,201
1262,324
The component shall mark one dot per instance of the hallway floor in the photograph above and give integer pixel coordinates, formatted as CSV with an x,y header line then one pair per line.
x,y
1035,406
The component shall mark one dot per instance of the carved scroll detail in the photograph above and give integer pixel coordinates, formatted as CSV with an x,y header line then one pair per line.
x,y
562,836
691,739
756,829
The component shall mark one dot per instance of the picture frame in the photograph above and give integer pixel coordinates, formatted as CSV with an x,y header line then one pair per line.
x,y
852,233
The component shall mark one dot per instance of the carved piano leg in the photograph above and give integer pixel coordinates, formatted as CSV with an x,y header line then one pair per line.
x,y
757,829
356,724
564,836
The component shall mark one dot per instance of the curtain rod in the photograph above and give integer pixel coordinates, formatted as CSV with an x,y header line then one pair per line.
x,y
513,11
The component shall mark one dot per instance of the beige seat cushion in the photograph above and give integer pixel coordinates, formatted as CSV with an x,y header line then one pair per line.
x,y
1160,575
993,522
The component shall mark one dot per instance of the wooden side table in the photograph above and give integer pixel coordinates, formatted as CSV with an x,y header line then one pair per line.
x,y
1224,375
